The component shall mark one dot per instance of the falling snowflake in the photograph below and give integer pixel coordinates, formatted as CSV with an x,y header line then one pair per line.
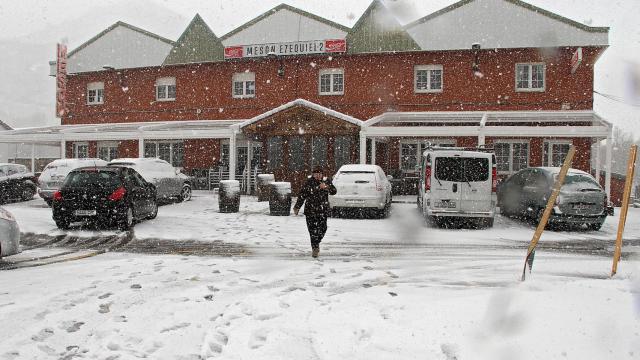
x,y
300,131
312,64
220,110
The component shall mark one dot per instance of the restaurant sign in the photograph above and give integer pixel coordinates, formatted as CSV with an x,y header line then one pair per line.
x,y
289,48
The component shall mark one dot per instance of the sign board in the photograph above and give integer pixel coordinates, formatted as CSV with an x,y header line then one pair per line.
x,y
289,48
61,79
576,60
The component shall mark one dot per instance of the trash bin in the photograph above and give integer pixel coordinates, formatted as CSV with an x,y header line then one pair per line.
x,y
229,196
264,188
280,199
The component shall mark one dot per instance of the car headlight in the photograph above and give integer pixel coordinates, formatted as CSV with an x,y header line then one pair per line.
x,y
4,214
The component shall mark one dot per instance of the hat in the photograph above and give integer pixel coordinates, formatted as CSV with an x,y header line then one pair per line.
x,y
317,170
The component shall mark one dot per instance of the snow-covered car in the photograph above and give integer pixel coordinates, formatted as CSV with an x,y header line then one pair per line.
x,y
56,171
581,199
361,187
9,234
169,181
16,183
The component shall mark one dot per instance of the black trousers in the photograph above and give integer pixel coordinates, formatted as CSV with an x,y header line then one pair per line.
x,y
317,226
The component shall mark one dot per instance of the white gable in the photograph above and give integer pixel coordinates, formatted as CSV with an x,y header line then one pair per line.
x,y
284,26
499,24
121,47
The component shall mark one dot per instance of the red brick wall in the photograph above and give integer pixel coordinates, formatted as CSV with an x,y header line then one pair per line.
x,y
128,149
374,83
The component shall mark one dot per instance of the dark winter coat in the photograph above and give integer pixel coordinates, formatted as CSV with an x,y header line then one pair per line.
x,y
316,200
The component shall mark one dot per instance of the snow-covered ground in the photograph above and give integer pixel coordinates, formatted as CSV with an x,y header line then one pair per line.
x,y
382,289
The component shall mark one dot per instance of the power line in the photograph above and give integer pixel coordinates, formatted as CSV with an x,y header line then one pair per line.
x,y
615,98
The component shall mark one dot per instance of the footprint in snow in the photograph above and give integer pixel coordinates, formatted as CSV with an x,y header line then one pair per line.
x,y
104,296
176,327
41,315
258,338
104,308
450,351
71,326
213,344
43,335
47,350
11,355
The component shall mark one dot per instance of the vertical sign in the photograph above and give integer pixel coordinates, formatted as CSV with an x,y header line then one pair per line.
x,y
631,166
61,79
576,60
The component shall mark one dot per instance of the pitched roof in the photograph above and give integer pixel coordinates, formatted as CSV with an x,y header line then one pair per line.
x,y
520,3
123,24
378,30
275,10
307,104
197,43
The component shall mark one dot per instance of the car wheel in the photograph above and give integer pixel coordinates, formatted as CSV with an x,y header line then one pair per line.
x,y
127,221
49,202
28,193
185,194
154,213
62,224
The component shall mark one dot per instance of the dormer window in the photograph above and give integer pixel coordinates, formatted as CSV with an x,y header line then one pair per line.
x,y
95,93
166,89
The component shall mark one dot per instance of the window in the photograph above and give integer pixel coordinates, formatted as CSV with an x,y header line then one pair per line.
x,y
169,151
107,150
274,151
318,151
555,151
428,78
530,77
244,85
166,89
511,156
410,151
296,152
331,82
80,150
342,150
95,93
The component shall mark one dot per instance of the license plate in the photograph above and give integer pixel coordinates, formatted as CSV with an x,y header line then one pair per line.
x,y
354,201
445,204
85,212
581,206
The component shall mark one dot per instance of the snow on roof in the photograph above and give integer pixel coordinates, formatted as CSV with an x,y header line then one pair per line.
x,y
556,170
305,103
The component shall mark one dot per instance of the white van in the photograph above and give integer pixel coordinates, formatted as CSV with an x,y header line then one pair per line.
x,y
56,171
459,183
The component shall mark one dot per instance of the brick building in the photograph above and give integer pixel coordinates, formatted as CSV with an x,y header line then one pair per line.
x,y
289,90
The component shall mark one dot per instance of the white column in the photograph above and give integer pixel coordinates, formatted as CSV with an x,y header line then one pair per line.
x,y
232,155
609,153
33,157
373,151
363,148
481,137
598,160
140,147
63,149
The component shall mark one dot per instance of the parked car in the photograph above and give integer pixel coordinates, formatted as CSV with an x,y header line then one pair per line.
x,y
16,183
361,187
104,195
54,173
9,234
458,184
169,181
581,199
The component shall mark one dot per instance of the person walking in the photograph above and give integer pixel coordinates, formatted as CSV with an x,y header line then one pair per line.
x,y
315,195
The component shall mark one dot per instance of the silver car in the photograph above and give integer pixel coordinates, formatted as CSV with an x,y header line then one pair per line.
x,y
170,183
9,234
56,171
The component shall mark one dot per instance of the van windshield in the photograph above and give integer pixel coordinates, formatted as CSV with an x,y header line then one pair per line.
x,y
462,169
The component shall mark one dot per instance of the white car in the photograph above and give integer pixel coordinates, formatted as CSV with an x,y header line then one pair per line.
x,y
457,183
169,181
56,171
361,187
9,234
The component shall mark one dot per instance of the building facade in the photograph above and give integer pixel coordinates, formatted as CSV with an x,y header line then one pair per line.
x,y
290,90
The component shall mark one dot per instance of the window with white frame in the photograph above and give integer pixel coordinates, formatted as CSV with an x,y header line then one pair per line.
x,y
511,155
555,151
530,77
244,85
427,78
169,151
411,151
80,150
95,93
166,89
107,150
331,82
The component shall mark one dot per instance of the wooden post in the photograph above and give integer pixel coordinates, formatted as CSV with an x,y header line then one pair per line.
x,y
547,211
625,207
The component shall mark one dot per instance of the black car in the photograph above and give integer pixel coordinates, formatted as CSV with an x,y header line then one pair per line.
x,y
581,200
106,196
16,183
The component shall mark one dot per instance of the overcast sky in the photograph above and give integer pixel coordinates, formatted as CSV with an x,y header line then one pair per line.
x,y
30,22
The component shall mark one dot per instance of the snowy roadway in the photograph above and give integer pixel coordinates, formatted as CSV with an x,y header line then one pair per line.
x,y
382,289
